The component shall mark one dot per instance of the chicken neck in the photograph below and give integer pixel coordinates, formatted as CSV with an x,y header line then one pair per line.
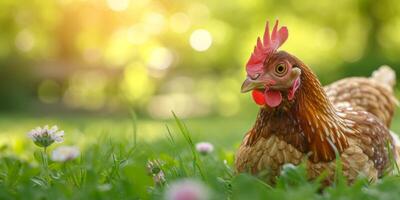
x,y
322,124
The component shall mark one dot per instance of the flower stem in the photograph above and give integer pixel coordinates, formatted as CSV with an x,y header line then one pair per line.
x,y
46,166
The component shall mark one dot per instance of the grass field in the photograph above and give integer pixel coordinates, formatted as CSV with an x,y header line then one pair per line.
x,y
115,152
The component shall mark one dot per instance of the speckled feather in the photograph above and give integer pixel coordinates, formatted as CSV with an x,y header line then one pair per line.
x,y
373,94
316,123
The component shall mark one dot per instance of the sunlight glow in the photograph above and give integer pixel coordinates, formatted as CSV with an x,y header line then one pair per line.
x,y
118,5
200,40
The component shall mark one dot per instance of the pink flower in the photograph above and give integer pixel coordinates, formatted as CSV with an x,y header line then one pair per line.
x,y
204,147
187,189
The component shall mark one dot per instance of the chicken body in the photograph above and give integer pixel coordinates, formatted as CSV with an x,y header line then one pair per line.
x,y
373,94
350,116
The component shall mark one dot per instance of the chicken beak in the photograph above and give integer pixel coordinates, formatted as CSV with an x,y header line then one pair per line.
x,y
249,85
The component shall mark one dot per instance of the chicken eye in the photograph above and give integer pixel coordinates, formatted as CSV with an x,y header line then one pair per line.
x,y
280,69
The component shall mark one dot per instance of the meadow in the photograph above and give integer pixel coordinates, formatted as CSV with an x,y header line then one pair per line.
x,y
109,74
122,158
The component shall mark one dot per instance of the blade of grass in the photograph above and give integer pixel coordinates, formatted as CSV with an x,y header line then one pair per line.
x,y
392,158
196,158
339,179
176,154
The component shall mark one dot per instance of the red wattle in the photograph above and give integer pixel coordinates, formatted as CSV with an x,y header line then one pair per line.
x,y
273,98
258,97
293,89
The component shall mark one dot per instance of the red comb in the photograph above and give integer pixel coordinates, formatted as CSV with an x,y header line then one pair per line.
x,y
262,51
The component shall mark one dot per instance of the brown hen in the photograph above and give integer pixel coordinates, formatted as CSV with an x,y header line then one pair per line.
x,y
299,120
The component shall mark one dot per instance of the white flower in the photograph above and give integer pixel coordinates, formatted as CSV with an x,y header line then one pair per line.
x,y
44,137
154,169
65,153
154,166
104,187
159,178
287,167
187,189
204,147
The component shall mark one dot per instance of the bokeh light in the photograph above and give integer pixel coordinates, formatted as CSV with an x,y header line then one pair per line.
x,y
136,85
200,40
24,40
160,58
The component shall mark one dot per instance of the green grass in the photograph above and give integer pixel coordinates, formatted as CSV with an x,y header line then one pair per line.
x,y
115,152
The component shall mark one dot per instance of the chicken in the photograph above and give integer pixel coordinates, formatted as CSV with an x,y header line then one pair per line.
x,y
300,121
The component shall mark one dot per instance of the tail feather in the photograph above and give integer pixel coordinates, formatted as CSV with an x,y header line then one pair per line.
x,y
385,75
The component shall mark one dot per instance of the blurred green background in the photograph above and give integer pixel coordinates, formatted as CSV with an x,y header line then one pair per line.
x,y
107,57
